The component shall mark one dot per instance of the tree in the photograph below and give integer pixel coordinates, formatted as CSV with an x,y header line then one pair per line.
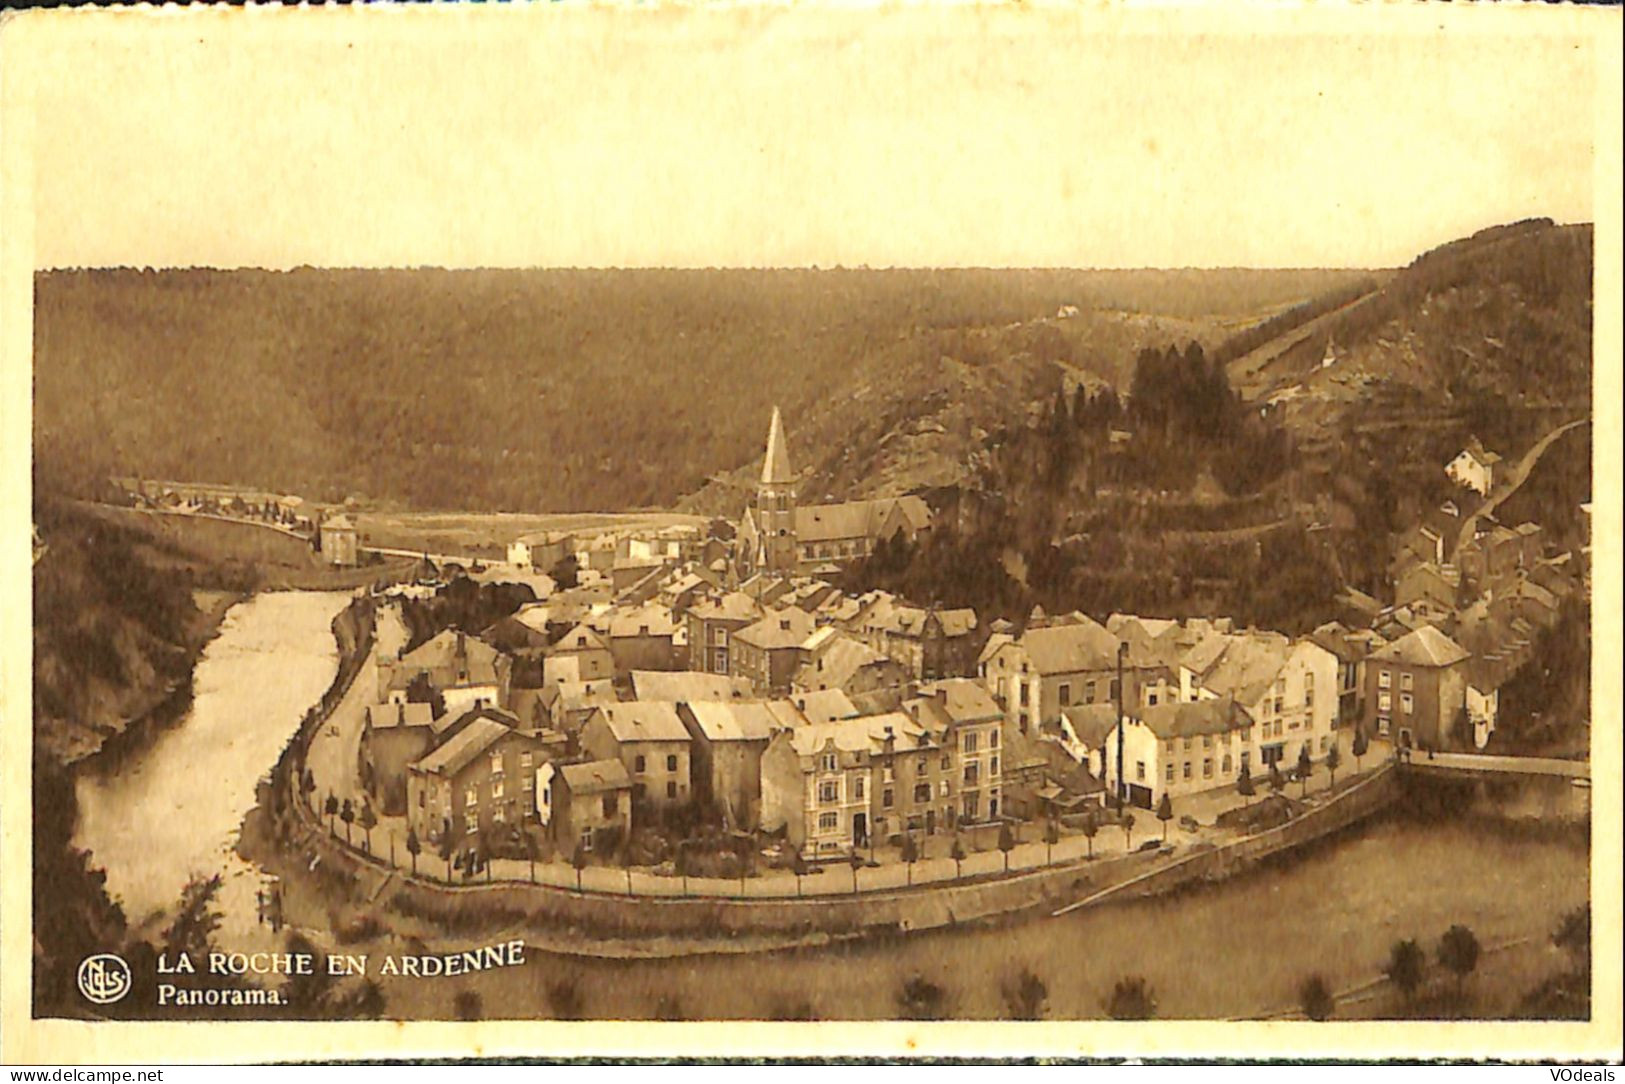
x,y
1025,996
1244,783
1277,780
414,847
1165,813
1131,1000
910,855
1361,744
1007,843
1128,830
331,808
307,785
1090,827
347,815
921,999
1304,766
1406,966
857,863
1573,936
798,866
958,855
1458,953
1052,836
196,920
1334,758
447,846
578,860
1315,997
368,821
680,862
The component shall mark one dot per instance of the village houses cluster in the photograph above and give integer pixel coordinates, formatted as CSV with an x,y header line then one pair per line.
x,y
721,676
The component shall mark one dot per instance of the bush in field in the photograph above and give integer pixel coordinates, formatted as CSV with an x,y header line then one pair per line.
x,y
1132,999
1458,953
564,999
1316,998
1025,996
1406,967
921,999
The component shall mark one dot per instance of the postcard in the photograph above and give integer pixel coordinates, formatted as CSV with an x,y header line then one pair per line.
x,y
761,531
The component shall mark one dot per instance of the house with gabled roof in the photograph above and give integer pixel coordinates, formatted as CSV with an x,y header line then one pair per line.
x,y
479,782
1474,468
585,804
590,648
649,738
728,740
393,736
1416,691
712,623
767,652
1053,666
1178,749
1288,687
836,660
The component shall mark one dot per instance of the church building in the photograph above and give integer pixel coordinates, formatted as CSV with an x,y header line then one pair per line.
x,y
780,535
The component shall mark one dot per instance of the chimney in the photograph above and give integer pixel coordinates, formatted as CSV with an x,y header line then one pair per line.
x,y
889,742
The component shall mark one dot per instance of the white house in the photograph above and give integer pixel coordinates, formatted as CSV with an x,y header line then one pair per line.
x,y
1474,468
1289,688
1179,749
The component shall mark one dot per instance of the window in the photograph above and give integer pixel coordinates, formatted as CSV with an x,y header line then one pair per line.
x,y
1089,690
498,815
671,789
529,783
1170,773
1023,689
639,763
1407,681
942,788
923,766
993,766
1385,680
886,774
1066,694
1385,702
857,787
496,788
1151,697
828,792
472,798
1207,767
1406,704
829,822
829,762
971,778
1225,767
671,763
1325,743
1139,770
1187,745
970,807
993,739
524,760
886,798
922,792
496,763
947,763
1187,770
970,742
1308,688
1207,741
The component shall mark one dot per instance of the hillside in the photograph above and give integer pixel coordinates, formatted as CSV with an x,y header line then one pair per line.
x,y
559,391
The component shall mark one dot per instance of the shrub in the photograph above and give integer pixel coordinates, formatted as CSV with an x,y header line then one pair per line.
x,y
1316,998
1131,999
921,999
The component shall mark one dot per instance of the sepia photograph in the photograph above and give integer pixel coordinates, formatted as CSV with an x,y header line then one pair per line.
x,y
827,517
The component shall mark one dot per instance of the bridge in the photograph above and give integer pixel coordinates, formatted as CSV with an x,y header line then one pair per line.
x,y
1482,764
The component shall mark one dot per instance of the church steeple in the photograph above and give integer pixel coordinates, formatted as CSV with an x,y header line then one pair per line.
x,y
776,504
776,464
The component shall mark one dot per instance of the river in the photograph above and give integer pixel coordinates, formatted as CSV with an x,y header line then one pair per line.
x,y
172,810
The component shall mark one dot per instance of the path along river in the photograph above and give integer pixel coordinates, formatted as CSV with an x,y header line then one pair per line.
x,y
172,810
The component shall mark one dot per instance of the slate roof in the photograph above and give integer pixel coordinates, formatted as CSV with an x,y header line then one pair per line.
x,y
1060,649
461,750
778,629
575,695
441,651
963,700
734,606
487,712
1189,719
596,776
864,734
857,519
838,658
776,461
687,686
389,716
1426,646
581,638
644,720
824,705
1091,722
643,621
744,721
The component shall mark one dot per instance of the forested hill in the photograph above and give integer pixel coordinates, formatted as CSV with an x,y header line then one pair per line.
x,y
572,390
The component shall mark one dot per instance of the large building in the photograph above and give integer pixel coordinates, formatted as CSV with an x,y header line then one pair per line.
x,y
780,535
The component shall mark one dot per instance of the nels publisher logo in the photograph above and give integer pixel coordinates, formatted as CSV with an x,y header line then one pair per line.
x,y
104,978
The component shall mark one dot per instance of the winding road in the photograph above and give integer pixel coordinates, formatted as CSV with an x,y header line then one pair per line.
x,y
1514,479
